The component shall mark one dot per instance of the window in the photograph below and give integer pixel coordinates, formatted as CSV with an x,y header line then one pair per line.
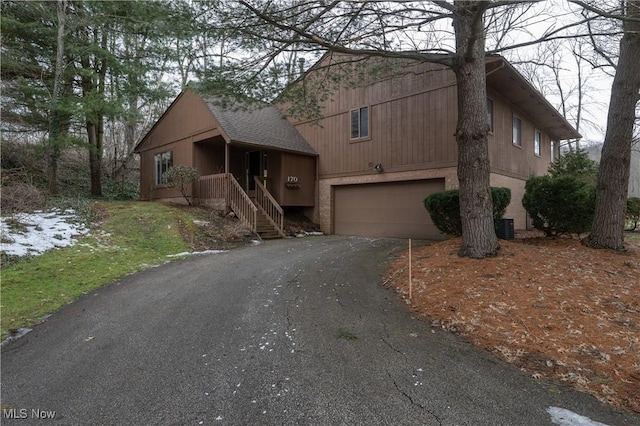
x,y
517,131
553,151
360,123
537,140
164,161
490,114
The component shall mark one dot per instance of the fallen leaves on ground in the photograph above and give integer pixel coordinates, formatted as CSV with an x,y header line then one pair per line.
x,y
553,307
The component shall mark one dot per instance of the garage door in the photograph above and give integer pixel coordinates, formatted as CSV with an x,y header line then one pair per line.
x,y
393,209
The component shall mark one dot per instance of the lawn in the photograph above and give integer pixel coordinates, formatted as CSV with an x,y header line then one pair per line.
x,y
127,237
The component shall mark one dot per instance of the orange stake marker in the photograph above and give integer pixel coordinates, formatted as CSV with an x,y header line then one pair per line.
x,y
410,280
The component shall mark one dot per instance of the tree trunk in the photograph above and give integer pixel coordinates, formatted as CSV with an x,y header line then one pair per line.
x,y
94,159
615,163
476,207
56,123
95,110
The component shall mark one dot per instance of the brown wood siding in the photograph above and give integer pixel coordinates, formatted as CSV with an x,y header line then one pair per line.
x,y
275,175
412,122
391,209
188,120
208,156
507,158
301,192
182,156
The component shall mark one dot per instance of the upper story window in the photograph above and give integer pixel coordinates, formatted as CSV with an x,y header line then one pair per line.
x,y
163,161
360,123
490,114
517,131
553,151
537,141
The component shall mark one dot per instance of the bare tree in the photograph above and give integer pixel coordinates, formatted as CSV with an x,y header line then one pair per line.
x,y
562,72
419,31
613,178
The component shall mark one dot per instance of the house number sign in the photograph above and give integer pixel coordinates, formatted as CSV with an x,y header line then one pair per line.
x,y
292,182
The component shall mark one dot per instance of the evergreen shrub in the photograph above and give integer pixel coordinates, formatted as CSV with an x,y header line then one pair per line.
x,y
444,208
632,215
560,205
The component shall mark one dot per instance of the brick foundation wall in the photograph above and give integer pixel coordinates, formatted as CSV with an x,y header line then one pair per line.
x,y
515,210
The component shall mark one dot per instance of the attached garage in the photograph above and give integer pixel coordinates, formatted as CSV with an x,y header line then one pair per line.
x,y
390,209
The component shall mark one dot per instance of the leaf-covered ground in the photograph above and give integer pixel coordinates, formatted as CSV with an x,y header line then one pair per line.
x,y
553,307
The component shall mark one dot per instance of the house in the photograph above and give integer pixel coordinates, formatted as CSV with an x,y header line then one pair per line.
x,y
249,159
382,144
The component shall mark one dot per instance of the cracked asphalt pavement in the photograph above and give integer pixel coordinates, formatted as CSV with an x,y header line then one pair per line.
x,y
290,332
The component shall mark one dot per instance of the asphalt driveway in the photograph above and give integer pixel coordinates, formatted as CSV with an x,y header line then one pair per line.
x,y
291,332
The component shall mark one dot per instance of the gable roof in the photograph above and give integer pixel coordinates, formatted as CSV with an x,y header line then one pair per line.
x,y
256,124
260,125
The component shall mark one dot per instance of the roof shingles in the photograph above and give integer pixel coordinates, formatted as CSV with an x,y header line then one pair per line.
x,y
260,125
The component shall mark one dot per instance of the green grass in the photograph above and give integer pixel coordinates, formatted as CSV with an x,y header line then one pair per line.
x,y
131,237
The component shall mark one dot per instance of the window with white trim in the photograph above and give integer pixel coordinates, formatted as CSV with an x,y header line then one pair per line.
x,y
553,151
163,162
537,141
360,123
517,131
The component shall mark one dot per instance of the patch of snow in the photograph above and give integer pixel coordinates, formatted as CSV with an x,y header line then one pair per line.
x,y
309,234
16,334
40,231
564,417
190,253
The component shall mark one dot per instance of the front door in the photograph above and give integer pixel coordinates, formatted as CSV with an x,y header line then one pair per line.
x,y
253,166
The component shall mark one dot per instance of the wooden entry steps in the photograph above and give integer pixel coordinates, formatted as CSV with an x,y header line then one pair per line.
x,y
269,214
259,211
264,227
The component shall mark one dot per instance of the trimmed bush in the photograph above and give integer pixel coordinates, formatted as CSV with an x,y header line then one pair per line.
x,y
560,205
501,199
632,214
444,208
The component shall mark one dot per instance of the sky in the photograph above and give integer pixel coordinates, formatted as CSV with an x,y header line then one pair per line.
x,y
551,15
